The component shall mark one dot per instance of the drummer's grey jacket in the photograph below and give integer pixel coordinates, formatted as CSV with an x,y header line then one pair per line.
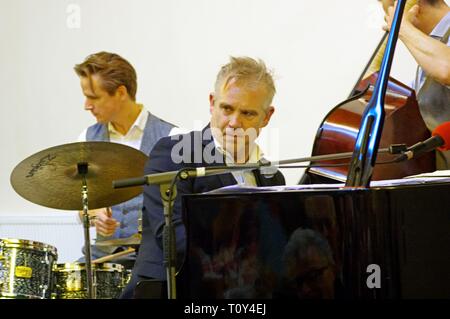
x,y
128,213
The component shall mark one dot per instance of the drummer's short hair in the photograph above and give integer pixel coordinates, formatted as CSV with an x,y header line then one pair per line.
x,y
249,70
113,70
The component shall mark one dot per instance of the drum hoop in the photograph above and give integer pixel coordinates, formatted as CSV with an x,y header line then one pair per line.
x,y
8,295
27,244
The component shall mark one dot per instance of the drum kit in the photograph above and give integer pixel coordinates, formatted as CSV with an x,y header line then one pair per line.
x,y
78,177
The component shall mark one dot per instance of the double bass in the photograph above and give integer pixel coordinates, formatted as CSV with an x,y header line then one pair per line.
x,y
403,124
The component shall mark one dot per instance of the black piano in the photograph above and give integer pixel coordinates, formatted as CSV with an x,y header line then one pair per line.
x,y
318,243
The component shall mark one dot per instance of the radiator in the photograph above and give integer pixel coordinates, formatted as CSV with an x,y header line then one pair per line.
x,y
62,231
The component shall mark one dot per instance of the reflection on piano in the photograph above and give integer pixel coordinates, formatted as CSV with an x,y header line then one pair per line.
x,y
318,242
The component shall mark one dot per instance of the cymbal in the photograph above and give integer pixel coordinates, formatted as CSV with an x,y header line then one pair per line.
x,y
134,240
50,177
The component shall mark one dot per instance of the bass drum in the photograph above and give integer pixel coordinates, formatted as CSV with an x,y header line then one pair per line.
x,y
70,280
26,268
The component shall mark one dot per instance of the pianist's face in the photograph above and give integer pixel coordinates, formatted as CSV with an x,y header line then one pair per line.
x,y
238,112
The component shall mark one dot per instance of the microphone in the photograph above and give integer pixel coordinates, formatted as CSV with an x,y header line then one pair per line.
x,y
440,139
167,177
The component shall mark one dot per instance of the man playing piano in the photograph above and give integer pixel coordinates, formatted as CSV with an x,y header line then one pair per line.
x,y
240,106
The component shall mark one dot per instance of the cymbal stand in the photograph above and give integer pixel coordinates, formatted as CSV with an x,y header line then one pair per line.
x,y
169,238
83,170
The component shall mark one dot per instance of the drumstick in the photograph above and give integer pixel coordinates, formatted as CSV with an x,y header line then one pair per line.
x,y
113,256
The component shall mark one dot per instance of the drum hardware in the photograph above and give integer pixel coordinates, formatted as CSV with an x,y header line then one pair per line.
x,y
55,177
140,224
82,171
134,240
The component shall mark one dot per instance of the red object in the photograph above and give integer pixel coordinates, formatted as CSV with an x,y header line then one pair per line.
x,y
443,131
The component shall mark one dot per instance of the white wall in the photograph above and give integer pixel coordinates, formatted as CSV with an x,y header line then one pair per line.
x,y
317,50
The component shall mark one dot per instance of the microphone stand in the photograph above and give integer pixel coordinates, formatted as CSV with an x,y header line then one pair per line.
x,y
393,149
168,195
91,292
167,177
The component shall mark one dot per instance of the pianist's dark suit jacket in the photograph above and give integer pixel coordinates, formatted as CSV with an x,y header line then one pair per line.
x,y
149,263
